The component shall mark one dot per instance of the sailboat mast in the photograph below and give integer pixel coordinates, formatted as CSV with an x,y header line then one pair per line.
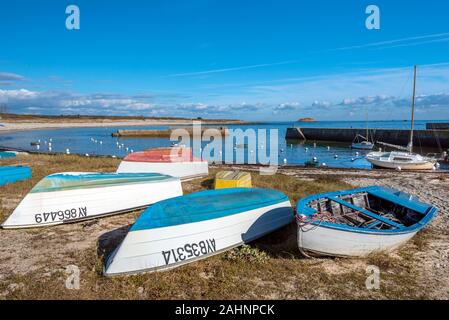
x,y
366,120
413,111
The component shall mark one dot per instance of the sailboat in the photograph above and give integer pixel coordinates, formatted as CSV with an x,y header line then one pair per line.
x,y
361,142
402,160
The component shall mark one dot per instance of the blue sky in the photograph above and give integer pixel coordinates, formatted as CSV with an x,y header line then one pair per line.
x,y
251,60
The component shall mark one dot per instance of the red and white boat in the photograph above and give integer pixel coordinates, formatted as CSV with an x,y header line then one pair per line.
x,y
174,161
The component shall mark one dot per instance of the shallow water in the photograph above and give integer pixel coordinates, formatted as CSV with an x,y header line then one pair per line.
x,y
79,140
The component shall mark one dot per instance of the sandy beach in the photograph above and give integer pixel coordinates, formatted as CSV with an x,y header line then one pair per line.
x,y
33,261
19,125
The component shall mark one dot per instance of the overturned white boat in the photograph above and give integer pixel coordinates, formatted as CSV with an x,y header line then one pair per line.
x,y
195,226
175,161
74,196
358,222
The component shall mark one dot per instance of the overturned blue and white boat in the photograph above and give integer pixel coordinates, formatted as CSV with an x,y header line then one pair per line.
x,y
195,226
11,174
75,196
358,222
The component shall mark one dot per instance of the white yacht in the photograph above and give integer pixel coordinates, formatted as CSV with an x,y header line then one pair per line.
x,y
399,159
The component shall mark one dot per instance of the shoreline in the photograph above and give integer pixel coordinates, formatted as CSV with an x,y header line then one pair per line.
x,y
8,126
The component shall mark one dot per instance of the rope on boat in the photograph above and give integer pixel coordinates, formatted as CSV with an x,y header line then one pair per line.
x,y
302,222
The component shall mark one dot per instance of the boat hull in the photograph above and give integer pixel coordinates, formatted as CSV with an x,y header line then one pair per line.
x,y
404,166
332,242
158,249
39,209
359,146
14,173
183,170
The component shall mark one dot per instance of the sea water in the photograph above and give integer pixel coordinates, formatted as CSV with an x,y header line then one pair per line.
x,y
99,141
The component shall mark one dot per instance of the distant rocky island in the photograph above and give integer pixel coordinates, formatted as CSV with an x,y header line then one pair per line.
x,y
306,120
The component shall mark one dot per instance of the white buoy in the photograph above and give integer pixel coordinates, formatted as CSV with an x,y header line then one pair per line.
x,y
101,142
285,161
324,164
67,151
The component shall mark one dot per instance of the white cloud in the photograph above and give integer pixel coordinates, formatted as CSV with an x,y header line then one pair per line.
x,y
8,76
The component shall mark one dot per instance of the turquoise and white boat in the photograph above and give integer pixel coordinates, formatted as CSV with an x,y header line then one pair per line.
x,y
74,196
358,222
11,174
195,226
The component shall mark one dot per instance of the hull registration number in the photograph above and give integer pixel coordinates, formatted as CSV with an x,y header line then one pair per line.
x,y
61,215
189,250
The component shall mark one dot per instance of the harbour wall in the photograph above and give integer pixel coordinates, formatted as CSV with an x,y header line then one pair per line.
x,y
160,133
423,138
437,126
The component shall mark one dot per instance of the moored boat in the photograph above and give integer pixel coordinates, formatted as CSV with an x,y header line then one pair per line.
x,y
11,174
74,196
175,161
195,226
358,222
400,160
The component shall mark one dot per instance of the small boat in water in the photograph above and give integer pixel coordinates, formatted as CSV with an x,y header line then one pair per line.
x,y
175,161
198,225
74,196
11,174
358,222
362,145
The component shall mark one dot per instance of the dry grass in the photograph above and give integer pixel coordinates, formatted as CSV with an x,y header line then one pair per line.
x,y
268,268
